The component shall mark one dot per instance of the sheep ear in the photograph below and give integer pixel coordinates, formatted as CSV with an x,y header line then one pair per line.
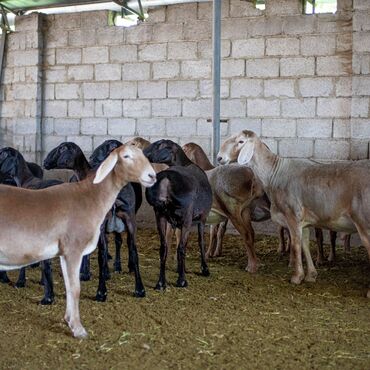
x,y
105,168
246,153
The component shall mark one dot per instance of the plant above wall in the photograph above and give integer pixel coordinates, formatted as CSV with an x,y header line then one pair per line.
x,y
319,6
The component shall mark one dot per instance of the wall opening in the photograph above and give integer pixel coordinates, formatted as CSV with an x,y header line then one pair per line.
x,y
319,6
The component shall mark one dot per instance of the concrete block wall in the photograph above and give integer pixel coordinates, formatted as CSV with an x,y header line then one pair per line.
x,y
300,81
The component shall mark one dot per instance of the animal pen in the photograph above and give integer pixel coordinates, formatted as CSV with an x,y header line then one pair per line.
x,y
79,78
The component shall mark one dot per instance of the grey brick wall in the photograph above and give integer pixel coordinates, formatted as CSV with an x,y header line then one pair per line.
x,y
300,81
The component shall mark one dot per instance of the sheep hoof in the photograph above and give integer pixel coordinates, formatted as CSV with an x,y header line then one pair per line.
x,y
117,268
47,301
101,297
20,284
139,293
310,278
4,279
205,272
85,276
181,283
160,286
296,279
251,269
80,333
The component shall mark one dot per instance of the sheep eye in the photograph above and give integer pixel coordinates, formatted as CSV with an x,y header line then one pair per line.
x,y
126,156
241,142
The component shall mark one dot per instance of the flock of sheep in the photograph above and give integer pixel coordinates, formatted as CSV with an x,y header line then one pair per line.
x,y
184,189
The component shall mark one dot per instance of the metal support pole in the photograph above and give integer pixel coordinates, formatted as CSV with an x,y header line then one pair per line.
x,y
4,28
216,78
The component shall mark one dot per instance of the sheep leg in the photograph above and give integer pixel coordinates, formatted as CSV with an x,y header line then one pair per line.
x,y
347,243
117,260
362,231
21,282
311,271
101,294
4,277
134,258
47,278
71,268
220,237
213,231
320,246
296,253
181,252
85,268
204,267
282,246
163,251
169,236
333,238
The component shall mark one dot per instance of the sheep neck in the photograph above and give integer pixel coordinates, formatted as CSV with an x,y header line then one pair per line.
x,y
181,159
81,167
23,174
265,164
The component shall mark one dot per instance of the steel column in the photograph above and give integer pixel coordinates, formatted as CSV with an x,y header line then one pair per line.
x,y
216,78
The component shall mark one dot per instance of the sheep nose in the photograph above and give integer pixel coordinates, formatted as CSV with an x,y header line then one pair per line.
x,y
152,176
219,159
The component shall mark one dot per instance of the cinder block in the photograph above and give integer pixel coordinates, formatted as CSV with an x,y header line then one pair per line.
x,y
13,75
361,85
243,9
26,57
272,144
361,4
84,142
67,21
361,42
80,73
278,128
360,128
318,45
122,90
206,88
342,128
95,19
232,68
360,107
298,108
182,50
296,148
68,56
240,124
136,108
82,37
197,30
343,86
151,126
165,32
25,91
314,128
123,54
33,74
279,88
315,86
25,126
182,89
232,28
334,107
298,24
94,55
55,108
165,70
136,71
205,50
139,34
150,52
201,108
246,87
181,127
30,22
282,46
359,149
95,90
263,67
157,15
108,108
56,74
283,7
196,69
332,149
181,13
78,109
110,36
263,108
166,108
344,42
67,91
250,48
205,10
66,126
205,127
337,65
152,89
49,92
271,26
297,66
51,141
107,72
94,126
121,126
233,108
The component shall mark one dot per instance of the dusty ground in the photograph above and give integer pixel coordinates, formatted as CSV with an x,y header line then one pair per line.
x,y
231,320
